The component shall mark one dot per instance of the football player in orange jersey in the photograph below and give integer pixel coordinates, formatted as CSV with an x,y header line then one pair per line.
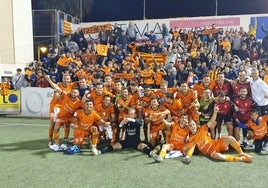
x,y
188,97
54,109
109,85
200,138
66,84
174,105
153,116
134,91
123,103
83,122
145,101
96,94
257,128
164,89
205,84
107,112
179,134
70,103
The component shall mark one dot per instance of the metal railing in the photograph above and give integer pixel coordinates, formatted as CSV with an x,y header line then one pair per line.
x,y
46,25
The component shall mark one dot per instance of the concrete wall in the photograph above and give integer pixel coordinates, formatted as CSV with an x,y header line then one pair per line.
x,y
16,35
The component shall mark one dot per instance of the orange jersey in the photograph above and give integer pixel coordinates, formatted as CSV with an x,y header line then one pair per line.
x,y
104,112
158,77
147,76
155,120
178,136
259,130
80,73
123,112
67,88
161,94
68,107
28,73
64,61
206,145
186,99
88,57
174,108
200,88
146,100
110,88
107,70
98,98
4,88
135,99
85,121
226,45
54,103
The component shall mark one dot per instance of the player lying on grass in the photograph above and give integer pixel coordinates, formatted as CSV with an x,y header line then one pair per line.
x,y
200,138
132,139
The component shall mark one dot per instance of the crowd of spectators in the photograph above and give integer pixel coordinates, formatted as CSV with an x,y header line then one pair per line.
x,y
189,54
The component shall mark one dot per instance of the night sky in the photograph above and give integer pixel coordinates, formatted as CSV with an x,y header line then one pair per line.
x,y
113,10
116,10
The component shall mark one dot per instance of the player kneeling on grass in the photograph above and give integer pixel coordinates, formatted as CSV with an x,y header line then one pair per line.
x,y
132,139
82,124
179,134
207,146
258,126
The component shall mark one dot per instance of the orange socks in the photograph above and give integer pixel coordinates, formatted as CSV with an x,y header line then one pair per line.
x,y
230,158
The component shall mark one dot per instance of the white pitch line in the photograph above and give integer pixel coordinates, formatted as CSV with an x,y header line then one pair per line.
x,y
23,124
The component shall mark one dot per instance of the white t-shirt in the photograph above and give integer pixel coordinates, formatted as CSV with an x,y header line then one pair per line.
x,y
259,90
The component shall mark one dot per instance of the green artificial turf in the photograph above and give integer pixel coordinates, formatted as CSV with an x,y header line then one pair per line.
x,y
26,161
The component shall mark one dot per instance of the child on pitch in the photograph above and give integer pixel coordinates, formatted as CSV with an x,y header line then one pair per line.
x,y
179,134
132,139
257,126
200,138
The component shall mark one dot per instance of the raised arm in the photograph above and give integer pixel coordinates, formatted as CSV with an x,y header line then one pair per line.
x,y
53,85
211,123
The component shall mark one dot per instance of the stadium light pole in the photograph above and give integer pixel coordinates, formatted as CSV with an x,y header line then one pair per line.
x,y
216,7
144,10
80,7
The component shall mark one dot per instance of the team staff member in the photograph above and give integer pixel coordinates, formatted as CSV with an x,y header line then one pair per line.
x,y
259,91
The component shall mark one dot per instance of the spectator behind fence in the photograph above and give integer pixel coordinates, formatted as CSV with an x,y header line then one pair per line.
x,y
18,80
